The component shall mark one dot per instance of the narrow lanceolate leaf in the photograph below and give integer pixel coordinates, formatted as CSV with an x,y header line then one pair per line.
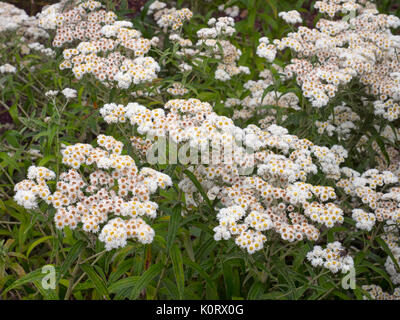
x,y
195,266
72,256
145,279
33,276
47,294
96,279
228,279
123,284
256,291
173,225
177,263
122,268
36,243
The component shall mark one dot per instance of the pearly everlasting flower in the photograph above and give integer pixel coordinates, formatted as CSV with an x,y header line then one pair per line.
x,y
51,93
229,11
42,49
69,93
391,267
107,49
376,293
212,42
331,258
291,17
364,220
341,122
273,194
177,89
7,68
15,19
362,48
114,197
168,17
267,51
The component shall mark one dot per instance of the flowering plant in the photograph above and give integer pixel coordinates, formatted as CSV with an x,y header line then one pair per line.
x,y
160,153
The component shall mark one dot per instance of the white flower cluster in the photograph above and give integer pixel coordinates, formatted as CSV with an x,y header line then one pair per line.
x,y
223,26
275,197
389,109
114,194
36,46
69,93
333,7
51,93
362,48
385,206
391,267
341,122
103,45
177,89
291,17
376,192
229,11
392,239
7,68
364,220
53,17
266,50
11,17
213,42
28,191
16,20
168,17
376,293
333,258
250,105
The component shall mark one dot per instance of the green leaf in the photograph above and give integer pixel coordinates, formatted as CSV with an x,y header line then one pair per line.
x,y
203,274
72,256
123,267
46,159
123,284
174,220
48,294
13,137
36,275
144,280
256,291
177,264
378,271
36,243
96,279
228,279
